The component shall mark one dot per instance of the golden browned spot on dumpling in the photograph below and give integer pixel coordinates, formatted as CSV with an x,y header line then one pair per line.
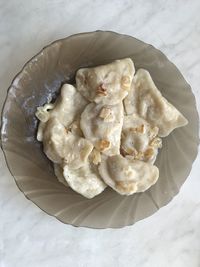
x,y
106,114
126,82
156,142
126,186
103,145
101,90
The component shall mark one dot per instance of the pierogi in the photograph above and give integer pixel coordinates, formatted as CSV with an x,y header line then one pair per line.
x,y
107,84
60,145
107,131
66,109
146,100
127,175
102,125
84,180
139,139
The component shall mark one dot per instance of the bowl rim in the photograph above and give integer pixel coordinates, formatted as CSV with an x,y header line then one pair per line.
x,y
21,71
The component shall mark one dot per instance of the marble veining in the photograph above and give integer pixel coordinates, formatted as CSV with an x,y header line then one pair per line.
x,y
29,237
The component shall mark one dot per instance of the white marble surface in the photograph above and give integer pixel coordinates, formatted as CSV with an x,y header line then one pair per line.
x,y
29,237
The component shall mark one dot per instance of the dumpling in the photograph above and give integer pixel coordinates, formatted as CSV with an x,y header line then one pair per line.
x,y
107,84
102,125
126,175
61,145
146,100
69,105
85,180
58,170
66,109
139,139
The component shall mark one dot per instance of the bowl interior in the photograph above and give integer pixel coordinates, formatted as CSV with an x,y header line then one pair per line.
x,y
41,79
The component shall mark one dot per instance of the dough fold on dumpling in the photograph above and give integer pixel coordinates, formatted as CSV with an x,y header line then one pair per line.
x,y
107,84
85,180
102,125
146,100
126,175
61,145
139,139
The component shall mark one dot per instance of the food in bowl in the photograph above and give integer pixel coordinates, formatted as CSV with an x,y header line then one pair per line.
x,y
107,129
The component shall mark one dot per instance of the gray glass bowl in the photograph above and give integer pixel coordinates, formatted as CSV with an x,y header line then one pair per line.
x,y
41,79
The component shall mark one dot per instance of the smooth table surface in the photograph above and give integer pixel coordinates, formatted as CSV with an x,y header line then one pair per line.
x,y
28,236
